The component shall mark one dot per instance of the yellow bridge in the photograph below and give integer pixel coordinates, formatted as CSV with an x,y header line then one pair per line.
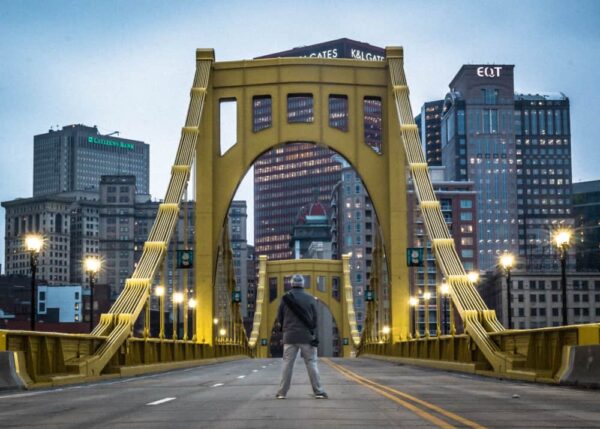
x,y
112,350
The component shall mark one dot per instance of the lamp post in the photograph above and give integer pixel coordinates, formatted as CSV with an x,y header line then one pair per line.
x,y
473,277
414,303
426,298
92,267
386,333
192,304
177,299
445,292
33,244
507,261
562,239
160,293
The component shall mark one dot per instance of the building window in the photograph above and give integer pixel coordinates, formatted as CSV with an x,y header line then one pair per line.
x,y
272,288
262,109
300,108
490,121
338,112
373,117
466,216
466,204
490,96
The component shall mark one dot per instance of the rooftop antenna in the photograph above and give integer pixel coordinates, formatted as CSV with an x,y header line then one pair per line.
x,y
114,133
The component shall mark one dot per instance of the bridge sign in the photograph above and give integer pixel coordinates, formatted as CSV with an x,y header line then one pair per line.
x,y
263,342
185,259
414,257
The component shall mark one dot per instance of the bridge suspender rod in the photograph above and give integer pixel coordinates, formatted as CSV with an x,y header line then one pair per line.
x,y
478,319
119,321
463,291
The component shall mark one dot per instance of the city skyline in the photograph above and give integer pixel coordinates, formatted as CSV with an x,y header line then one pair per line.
x,y
129,68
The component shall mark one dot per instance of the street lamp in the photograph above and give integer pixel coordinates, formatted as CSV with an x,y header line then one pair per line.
x,y
192,304
177,299
445,292
159,291
92,268
507,260
34,244
414,302
473,276
562,239
426,298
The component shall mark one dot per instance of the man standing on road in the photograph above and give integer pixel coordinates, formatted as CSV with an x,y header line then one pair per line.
x,y
297,316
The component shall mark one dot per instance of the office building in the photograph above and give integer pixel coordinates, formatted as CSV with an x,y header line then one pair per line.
x,y
112,223
287,177
536,298
69,224
458,202
429,123
478,144
543,157
239,246
354,229
586,213
311,228
76,156
516,148
125,220
252,280
59,303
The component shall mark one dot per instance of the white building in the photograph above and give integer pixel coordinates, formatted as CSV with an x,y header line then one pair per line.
x,y
59,303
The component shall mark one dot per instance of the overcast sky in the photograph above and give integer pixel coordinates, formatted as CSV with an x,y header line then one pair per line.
x,y
128,65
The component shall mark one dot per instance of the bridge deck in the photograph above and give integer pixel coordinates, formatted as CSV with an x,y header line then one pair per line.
x,y
241,395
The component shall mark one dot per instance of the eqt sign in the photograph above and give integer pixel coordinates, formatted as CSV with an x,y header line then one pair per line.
x,y
489,71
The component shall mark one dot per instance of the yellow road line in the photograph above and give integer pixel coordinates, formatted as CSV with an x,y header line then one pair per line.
x,y
421,413
426,404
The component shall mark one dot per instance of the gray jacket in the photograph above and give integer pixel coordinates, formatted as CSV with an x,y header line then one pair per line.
x,y
294,331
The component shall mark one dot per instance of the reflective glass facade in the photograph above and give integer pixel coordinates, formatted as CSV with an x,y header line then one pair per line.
x,y
543,153
429,123
289,177
478,144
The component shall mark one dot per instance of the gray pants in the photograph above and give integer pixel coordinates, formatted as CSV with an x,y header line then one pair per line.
x,y
309,354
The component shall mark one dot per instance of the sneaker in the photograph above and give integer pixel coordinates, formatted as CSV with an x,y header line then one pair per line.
x,y
280,396
322,395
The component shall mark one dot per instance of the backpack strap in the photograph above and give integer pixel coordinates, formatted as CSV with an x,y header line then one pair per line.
x,y
289,300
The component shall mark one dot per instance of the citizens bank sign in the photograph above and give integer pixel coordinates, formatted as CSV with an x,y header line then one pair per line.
x,y
113,143
485,71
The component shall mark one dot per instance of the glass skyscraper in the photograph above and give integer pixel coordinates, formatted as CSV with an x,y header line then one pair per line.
x,y
478,144
543,149
290,176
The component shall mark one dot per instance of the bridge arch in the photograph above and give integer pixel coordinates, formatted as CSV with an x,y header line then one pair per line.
x,y
218,176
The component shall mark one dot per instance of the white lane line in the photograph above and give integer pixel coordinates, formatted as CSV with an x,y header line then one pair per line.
x,y
24,395
255,370
241,376
160,401
217,385
264,366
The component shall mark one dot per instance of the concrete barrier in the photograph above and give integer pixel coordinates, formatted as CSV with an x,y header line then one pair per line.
x,y
583,367
9,378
